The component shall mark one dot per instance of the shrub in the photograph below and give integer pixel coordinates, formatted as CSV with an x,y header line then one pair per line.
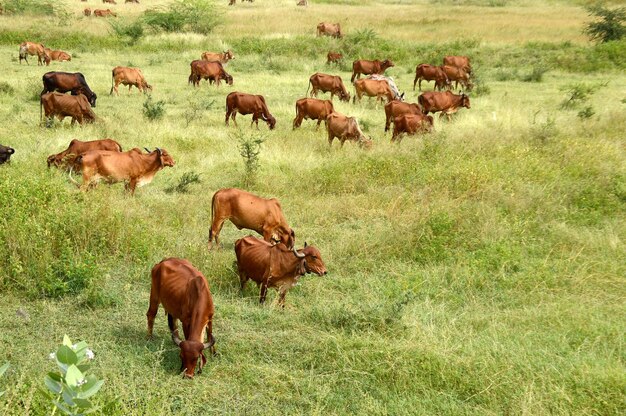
x,y
609,24
32,7
153,110
249,149
199,16
6,88
586,113
577,95
543,131
182,186
132,31
536,75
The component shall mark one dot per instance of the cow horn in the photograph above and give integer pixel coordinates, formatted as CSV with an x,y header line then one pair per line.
x,y
176,338
158,151
298,255
147,150
210,343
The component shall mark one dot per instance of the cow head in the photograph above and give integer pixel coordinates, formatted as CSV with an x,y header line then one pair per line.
x,y
92,99
164,157
284,235
190,353
228,55
387,63
313,262
5,154
146,86
344,96
465,101
270,120
228,78
365,142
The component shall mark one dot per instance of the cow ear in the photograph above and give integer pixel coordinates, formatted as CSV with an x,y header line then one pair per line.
x,y
305,244
11,150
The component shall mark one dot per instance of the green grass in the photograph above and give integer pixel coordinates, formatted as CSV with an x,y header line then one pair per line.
x,y
476,270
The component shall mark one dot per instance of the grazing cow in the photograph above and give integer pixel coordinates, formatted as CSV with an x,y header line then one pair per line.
x,y
333,58
378,88
461,62
58,55
431,73
109,1
397,108
104,13
87,11
68,81
31,48
78,148
275,266
184,293
312,108
446,102
411,124
328,83
62,105
212,71
457,75
128,76
131,1
223,57
365,67
5,154
329,29
249,104
132,167
345,128
302,3
246,210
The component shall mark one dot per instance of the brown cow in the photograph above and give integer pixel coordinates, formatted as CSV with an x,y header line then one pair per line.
x,y
345,128
329,29
411,124
365,67
446,102
132,1
62,105
68,82
212,71
246,210
249,104
77,148
109,1
431,73
378,88
104,13
333,58
58,55
457,75
312,108
5,154
132,167
461,62
87,11
302,3
128,76
184,293
223,57
31,48
328,83
397,108
275,266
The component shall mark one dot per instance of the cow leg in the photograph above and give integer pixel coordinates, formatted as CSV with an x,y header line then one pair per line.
x,y
319,121
132,185
263,293
152,310
214,233
233,117
172,323
243,279
419,85
209,336
228,113
414,82
297,122
282,292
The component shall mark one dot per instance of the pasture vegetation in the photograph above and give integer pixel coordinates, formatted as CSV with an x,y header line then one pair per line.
x,y
476,270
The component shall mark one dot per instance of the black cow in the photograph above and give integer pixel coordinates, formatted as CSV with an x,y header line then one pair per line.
x,y
67,81
5,153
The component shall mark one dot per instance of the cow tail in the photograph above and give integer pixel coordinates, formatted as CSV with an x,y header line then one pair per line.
x,y
40,108
212,216
112,80
76,161
307,88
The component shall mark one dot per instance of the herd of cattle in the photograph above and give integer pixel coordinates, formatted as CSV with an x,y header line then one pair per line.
x,y
273,261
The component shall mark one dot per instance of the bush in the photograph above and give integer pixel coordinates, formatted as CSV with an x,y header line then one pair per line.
x,y
6,88
182,186
153,110
577,95
249,149
609,26
133,31
536,75
33,7
199,16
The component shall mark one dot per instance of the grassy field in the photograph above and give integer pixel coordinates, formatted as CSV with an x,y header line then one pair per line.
x,y
476,270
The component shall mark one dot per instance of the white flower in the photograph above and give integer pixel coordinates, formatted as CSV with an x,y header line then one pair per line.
x,y
74,347
81,382
90,355
52,355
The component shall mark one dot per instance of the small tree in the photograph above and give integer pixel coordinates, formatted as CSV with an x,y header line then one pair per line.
x,y
249,149
609,24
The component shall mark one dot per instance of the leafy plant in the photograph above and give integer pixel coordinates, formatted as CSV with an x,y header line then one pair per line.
x,y
609,23
132,31
250,149
194,110
543,131
536,75
199,16
32,7
72,385
577,95
586,113
182,186
153,110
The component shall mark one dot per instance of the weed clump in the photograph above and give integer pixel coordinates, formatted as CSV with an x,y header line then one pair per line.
x,y
609,24
153,110
250,149
198,16
182,187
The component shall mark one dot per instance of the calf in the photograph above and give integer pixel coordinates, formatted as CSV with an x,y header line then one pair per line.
x,y
87,11
345,128
5,154
32,48
431,73
329,29
104,13
62,105
58,55
396,108
222,57
312,108
212,71
365,67
184,293
374,88
132,167
328,83
128,76
275,266
78,148
249,104
333,58
246,210
446,102
411,124
457,75
461,62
